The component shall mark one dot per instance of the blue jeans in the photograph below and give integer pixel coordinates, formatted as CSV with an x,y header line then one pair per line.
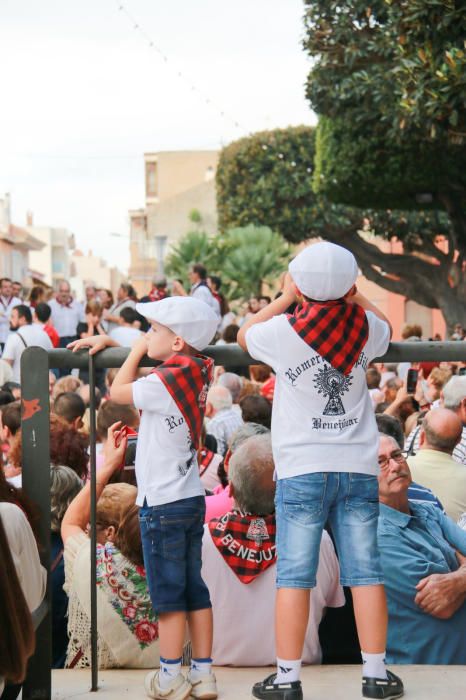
x,y
171,537
349,502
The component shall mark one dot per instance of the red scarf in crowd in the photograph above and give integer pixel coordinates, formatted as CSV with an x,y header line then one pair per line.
x,y
246,543
336,330
187,379
157,294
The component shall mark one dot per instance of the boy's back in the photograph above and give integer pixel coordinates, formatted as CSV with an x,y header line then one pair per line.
x,y
322,420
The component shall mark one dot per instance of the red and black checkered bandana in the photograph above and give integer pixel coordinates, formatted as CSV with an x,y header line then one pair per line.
x,y
187,379
336,330
246,543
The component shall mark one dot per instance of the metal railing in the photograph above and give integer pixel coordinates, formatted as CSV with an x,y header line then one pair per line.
x,y
35,366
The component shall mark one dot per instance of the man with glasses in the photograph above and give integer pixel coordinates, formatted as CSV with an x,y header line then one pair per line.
x,y
423,556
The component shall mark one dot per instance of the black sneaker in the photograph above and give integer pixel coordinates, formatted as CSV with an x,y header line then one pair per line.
x,y
381,688
269,690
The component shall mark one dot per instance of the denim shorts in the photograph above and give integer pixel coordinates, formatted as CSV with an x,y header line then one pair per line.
x,y
349,503
171,537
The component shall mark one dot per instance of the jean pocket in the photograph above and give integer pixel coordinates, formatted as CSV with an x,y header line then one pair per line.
x,y
303,497
363,496
173,537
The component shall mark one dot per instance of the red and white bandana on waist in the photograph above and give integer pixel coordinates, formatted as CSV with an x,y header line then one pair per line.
x,y
336,330
187,379
246,543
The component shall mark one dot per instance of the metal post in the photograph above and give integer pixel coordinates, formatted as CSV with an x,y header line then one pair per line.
x,y
35,427
92,426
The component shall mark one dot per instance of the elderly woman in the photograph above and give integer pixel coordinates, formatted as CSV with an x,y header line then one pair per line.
x,y
65,484
127,626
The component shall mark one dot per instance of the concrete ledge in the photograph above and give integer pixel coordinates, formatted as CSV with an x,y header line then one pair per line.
x,y
319,682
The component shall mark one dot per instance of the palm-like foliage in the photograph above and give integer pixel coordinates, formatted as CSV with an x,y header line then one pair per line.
x,y
194,247
254,255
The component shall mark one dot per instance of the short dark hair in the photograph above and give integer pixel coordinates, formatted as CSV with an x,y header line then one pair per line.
x,y
129,315
256,409
5,279
110,412
266,298
389,425
43,312
373,378
69,406
230,333
6,397
24,312
200,270
11,416
216,280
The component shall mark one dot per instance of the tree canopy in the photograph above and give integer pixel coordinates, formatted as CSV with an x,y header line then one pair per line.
x,y
426,272
389,84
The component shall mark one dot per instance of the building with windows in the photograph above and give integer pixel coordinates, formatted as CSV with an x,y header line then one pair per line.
x,y
17,246
176,184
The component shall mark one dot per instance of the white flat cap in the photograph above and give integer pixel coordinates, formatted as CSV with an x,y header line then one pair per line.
x,y
191,319
324,271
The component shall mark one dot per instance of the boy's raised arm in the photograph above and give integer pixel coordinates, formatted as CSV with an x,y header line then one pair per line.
x,y
121,390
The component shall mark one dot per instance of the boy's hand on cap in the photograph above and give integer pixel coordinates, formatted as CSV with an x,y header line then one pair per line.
x,y
289,288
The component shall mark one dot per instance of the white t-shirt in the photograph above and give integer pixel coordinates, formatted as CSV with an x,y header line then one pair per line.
x,y
125,335
33,335
322,421
243,613
202,292
166,464
31,574
6,307
66,318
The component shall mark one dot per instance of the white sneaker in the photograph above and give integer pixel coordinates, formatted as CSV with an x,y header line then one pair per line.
x,y
179,688
205,688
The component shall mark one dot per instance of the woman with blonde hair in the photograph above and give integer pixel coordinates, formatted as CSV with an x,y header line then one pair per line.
x,y
127,626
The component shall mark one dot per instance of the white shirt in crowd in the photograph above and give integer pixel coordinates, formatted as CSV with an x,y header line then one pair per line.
x,y
6,307
202,292
125,335
243,627
115,311
27,336
166,466
31,574
66,318
322,421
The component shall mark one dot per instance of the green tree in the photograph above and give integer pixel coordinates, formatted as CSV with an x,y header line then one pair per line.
x,y
256,255
193,247
389,84
253,187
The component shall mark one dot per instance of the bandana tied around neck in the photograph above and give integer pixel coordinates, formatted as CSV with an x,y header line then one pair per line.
x,y
336,330
246,542
187,379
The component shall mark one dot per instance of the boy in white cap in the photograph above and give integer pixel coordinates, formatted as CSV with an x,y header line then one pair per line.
x,y
325,440
170,494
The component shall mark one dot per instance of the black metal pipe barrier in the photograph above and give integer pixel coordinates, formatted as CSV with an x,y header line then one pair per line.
x,y
35,424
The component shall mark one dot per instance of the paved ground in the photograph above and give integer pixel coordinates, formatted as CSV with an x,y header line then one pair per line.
x,y
320,683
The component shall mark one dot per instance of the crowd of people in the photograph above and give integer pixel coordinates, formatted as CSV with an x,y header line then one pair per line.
x,y
217,485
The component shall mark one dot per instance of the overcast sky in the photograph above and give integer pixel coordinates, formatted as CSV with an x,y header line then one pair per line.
x,y
82,97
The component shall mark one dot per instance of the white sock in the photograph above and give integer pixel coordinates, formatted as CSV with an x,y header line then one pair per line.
x,y
169,669
373,665
288,671
199,668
